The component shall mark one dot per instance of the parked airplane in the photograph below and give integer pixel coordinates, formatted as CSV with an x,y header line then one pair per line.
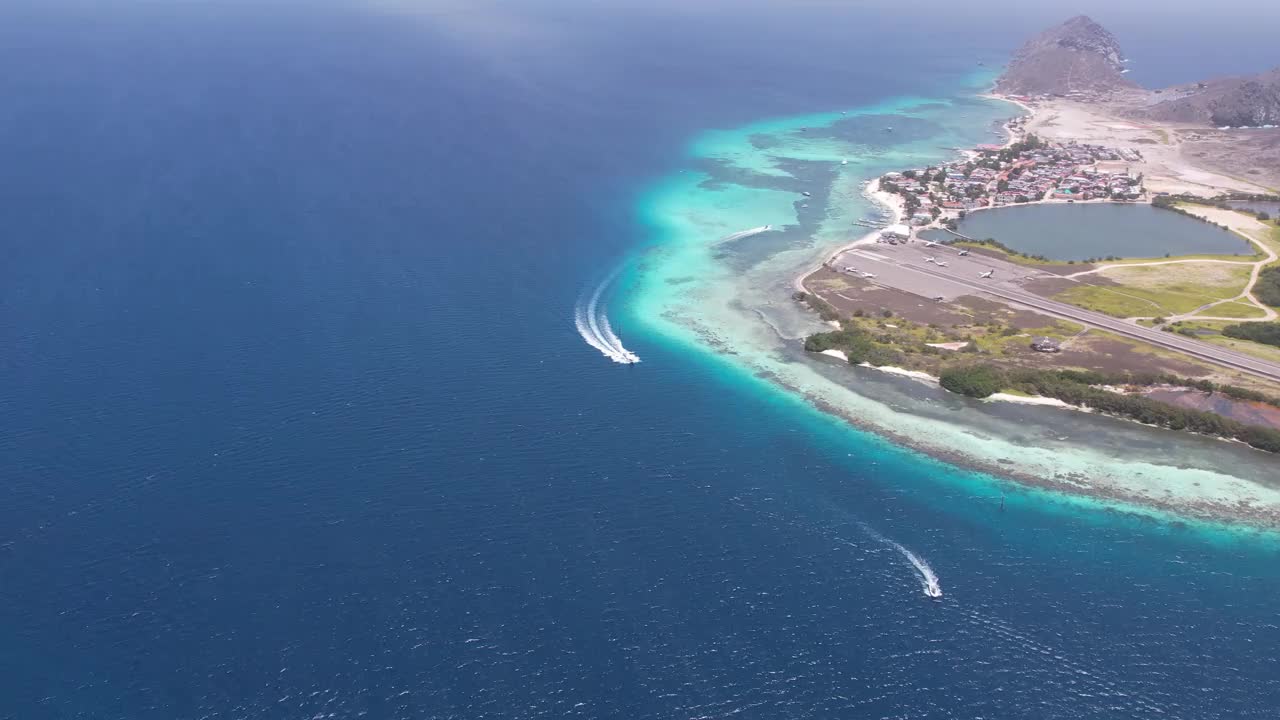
x,y
964,253
931,243
988,273
941,263
931,259
868,275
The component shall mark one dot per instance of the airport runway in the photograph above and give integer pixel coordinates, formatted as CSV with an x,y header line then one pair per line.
x,y
905,267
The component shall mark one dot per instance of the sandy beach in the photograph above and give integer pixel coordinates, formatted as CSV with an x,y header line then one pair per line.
x,y
1218,497
733,297
1168,163
889,201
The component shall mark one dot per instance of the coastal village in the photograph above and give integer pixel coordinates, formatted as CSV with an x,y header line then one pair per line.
x,y
1026,171
1176,340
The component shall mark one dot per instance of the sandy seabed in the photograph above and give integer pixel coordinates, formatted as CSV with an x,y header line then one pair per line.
x,y
704,288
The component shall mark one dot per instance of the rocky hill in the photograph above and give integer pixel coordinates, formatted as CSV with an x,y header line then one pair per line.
x,y
1078,56
1229,102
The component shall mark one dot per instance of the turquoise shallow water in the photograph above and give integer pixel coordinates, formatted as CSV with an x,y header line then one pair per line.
x,y
298,424
702,285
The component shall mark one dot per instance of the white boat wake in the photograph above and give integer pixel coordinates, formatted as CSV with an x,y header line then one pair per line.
x,y
928,578
593,325
746,233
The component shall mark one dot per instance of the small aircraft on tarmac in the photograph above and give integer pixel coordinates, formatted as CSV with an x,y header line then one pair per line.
x,y
964,253
941,263
868,275
931,259
931,243
988,273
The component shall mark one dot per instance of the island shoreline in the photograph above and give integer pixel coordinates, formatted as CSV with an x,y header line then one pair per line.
x,y
1253,518
1129,503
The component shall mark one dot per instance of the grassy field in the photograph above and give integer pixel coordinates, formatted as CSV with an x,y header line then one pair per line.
x,y
993,339
1117,302
1156,290
1236,309
1258,350
1008,256
1248,253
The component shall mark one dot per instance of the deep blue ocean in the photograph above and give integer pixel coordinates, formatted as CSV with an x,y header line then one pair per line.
x,y
294,422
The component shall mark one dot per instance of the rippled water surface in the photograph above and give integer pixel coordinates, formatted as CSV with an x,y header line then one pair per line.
x,y
1090,230
297,421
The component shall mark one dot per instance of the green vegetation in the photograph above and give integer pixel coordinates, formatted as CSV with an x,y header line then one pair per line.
x,y
1111,302
1267,333
976,381
1011,153
909,344
1211,331
1235,309
820,306
1144,291
857,344
877,337
1080,389
1267,289
1174,203
1010,253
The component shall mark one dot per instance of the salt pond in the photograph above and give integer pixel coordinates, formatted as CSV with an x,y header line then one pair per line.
x,y
1079,231
1270,207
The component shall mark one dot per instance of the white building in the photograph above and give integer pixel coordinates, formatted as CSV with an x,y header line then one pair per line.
x,y
895,232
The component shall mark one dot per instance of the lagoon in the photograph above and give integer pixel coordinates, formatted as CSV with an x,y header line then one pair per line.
x,y
1061,231
1270,207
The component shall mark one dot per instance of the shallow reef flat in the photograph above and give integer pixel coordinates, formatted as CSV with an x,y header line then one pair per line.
x,y
702,285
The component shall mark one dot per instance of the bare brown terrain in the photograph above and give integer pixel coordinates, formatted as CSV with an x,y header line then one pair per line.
x,y
1002,333
1252,413
1201,137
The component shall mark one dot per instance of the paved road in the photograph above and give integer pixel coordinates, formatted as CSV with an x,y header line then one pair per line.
x,y
1196,348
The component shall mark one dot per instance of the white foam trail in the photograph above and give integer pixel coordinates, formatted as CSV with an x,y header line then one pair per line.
x,y
593,325
928,578
584,329
746,233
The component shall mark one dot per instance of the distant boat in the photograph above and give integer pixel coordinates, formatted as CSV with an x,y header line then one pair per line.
x,y
888,128
844,162
806,194
746,233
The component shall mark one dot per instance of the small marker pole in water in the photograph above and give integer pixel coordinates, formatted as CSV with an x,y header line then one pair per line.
x,y
1001,502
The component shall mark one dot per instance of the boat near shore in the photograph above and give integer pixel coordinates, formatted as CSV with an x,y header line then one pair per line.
x,y
741,234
